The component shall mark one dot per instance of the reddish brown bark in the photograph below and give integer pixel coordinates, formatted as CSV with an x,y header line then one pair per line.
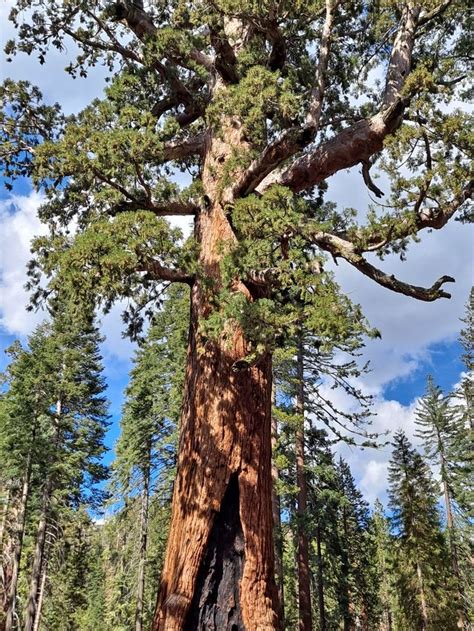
x,y
219,566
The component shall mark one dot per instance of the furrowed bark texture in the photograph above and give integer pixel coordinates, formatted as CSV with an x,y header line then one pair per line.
x,y
219,567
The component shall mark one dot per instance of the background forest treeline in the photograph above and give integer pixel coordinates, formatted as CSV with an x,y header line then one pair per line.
x,y
83,554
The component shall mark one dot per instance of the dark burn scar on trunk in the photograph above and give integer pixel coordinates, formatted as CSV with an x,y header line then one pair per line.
x,y
216,602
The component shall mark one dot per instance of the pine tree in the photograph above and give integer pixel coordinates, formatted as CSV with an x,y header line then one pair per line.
x,y
425,589
256,102
146,447
437,428
463,399
383,544
358,594
67,452
23,444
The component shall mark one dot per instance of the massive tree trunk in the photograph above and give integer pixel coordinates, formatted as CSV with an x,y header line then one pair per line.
x,y
218,573
304,572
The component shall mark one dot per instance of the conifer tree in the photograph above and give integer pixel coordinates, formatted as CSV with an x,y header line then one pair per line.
x,y
301,369
23,444
261,103
380,527
463,399
146,447
435,418
78,421
52,427
357,589
425,590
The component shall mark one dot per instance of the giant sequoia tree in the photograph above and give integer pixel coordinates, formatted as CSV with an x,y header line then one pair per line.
x,y
259,103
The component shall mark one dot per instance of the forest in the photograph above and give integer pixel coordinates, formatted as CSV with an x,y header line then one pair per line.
x,y
339,565
199,192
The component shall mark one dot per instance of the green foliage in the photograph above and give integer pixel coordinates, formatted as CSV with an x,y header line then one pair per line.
x,y
154,397
422,562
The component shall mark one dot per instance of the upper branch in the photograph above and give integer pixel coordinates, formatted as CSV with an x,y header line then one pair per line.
x,y
354,144
293,140
156,271
175,207
317,93
402,54
181,149
340,248
360,141
433,218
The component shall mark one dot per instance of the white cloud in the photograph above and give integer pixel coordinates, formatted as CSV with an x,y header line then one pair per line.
x,y
408,326
370,466
55,84
19,223
374,481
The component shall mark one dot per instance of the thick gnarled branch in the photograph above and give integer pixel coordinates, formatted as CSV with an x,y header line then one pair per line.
x,y
156,271
339,248
173,207
355,144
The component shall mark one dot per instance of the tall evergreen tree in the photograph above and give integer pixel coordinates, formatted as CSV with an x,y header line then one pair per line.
x,y
146,447
261,103
383,544
23,444
425,589
357,589
437,428
71,368
53,419
463,399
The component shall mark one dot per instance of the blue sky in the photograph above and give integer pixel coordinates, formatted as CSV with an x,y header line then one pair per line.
x,y
417,338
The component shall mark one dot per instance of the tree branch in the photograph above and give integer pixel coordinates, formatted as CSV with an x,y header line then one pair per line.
x,y
401,56
293,140
317,93
354,144
434,13
225,60
369,181
433,218
339,248
156,271
180,149
174,207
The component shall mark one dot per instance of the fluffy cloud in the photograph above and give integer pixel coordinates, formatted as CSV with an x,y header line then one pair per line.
x,y
55,84
370,466
19,223
408,326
